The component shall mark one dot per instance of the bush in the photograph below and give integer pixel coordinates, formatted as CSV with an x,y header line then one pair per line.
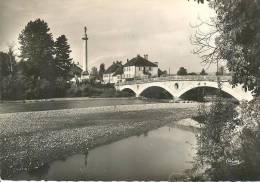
x,y
60,87
212,144
88,90
228,144
24,87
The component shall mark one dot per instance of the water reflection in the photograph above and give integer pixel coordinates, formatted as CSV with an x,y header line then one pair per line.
x,y
41,172
154,156
146,133
86,158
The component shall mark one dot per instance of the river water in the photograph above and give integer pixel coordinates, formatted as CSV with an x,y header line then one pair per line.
x,y
155,155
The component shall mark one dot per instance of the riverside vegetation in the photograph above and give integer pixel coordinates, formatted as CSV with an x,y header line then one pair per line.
x,y
228,142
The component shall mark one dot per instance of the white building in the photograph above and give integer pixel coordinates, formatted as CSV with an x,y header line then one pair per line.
x,y
114,73
139,67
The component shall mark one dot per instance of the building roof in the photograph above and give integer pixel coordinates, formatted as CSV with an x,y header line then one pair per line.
x,y
119,71
85,73
140,61
76,69
113,68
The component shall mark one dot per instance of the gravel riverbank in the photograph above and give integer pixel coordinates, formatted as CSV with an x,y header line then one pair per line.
x,y
30,140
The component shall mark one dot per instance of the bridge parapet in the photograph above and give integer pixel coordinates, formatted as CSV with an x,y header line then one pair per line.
x,y
179,78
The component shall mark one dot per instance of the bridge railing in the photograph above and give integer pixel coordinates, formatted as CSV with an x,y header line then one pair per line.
x,y
179,78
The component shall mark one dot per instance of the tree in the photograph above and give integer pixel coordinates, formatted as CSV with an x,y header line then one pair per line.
x,y
215,140
12,61
63,62
161,73
192,73
93,74
203,72
239,31
182,71
36,46
200,1
4,71
94,71
4,65
221,70
228,143
101,71
236,39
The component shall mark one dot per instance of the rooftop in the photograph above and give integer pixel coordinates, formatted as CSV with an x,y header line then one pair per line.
x,y
114,67
140,61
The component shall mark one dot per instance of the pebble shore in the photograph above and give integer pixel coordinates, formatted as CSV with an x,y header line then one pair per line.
x,y
30,140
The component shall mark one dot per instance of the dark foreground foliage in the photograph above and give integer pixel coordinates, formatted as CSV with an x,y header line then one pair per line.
x,y
228,143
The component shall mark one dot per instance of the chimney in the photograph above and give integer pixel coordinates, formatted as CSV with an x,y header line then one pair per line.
x,y
146,56
138,55
127,60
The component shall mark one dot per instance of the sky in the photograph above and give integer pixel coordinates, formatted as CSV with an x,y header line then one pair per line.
x,y
117,29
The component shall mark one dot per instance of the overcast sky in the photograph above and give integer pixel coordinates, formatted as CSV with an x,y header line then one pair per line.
x,y
117,29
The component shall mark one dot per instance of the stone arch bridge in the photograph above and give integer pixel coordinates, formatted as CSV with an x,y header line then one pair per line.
x,y
178,85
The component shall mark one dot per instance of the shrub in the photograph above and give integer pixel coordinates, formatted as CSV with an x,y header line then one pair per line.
x,y
228,144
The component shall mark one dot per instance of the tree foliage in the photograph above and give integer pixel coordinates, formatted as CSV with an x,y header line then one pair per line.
x,y
36,46
101,71
44,67
182,71
4,65
229,141
233,37
94,72
213,144
203,72
63,62
221,70
239,38
200,1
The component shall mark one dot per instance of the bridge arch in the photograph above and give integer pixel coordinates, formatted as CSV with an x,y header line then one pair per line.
x,y
225,88
155,92
129,87
155,84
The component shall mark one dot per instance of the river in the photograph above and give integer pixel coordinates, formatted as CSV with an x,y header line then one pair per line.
x,y
155,155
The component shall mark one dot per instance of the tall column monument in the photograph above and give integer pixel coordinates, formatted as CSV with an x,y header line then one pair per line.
x,y
85,51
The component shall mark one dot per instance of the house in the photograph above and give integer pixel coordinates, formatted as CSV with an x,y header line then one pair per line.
x,y
75,73
76,70
114,73
139,67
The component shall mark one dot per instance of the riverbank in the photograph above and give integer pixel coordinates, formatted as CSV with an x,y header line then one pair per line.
x,y
71,103
65,103
188,124
63,99
29,140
